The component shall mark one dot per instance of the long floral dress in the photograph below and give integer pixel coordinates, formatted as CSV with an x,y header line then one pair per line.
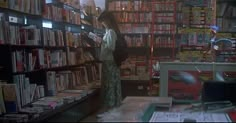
x,y
111,84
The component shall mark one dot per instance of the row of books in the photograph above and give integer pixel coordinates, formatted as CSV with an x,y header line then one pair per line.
x,y
73,39
145,17
15,96
133,17
137,41
31,35
142,5
164,6
164,42
17,113
53,37
141,41
28,91
71,17
64,80
57,82
159,41
79,57
17,35
79,40
43,105
23,61
135,68
60,14
26,6
129,6
133,28
165,17
165,28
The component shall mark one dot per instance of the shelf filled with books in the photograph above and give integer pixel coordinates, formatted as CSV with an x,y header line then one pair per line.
x,y
44,55
162,27
163,38
148,29
194,33
134,20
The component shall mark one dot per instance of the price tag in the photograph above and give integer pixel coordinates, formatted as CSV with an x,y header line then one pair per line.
x,y
13,19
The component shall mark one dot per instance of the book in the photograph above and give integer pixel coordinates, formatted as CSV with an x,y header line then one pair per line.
x,y
51,85
2,104
48,103
95,37
11,98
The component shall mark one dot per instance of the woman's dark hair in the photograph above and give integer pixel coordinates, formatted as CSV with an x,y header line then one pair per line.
x,y
110,20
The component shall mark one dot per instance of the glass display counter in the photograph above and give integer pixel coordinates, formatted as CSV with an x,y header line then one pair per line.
x,y
183,80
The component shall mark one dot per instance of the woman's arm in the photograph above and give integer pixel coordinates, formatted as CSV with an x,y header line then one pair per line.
x,y
110,40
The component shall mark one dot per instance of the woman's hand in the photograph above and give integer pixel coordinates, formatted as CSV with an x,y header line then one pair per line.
x,y
95,38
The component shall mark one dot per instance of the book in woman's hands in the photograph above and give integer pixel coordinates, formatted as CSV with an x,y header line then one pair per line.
x,y
95,38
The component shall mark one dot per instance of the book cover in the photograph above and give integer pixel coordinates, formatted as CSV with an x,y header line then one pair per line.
x,y
11,98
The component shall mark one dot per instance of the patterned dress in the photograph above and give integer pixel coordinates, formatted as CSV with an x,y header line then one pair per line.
x,y
110,85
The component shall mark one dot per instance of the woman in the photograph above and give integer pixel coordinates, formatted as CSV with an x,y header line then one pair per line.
x,y
110,85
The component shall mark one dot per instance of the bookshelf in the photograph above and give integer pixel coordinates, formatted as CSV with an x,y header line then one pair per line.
x,y
194,31
163,43
134,19
167,29
140,22
45,52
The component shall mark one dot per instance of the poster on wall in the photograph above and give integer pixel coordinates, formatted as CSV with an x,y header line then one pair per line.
x,y
187,85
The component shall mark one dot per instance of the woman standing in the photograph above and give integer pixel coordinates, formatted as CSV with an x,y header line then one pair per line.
x,y
111,84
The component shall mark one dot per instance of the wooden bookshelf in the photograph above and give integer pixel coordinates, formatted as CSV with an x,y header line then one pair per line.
x,y
37,44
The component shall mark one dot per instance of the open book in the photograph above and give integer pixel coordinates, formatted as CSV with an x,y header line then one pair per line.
x,y
95,38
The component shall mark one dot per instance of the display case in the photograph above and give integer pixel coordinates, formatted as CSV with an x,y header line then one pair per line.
x,y
184,80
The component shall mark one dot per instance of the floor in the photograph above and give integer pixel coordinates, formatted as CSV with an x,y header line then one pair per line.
x,y
90,118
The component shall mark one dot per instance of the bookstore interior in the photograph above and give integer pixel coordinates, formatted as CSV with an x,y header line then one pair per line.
x,y
181,64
